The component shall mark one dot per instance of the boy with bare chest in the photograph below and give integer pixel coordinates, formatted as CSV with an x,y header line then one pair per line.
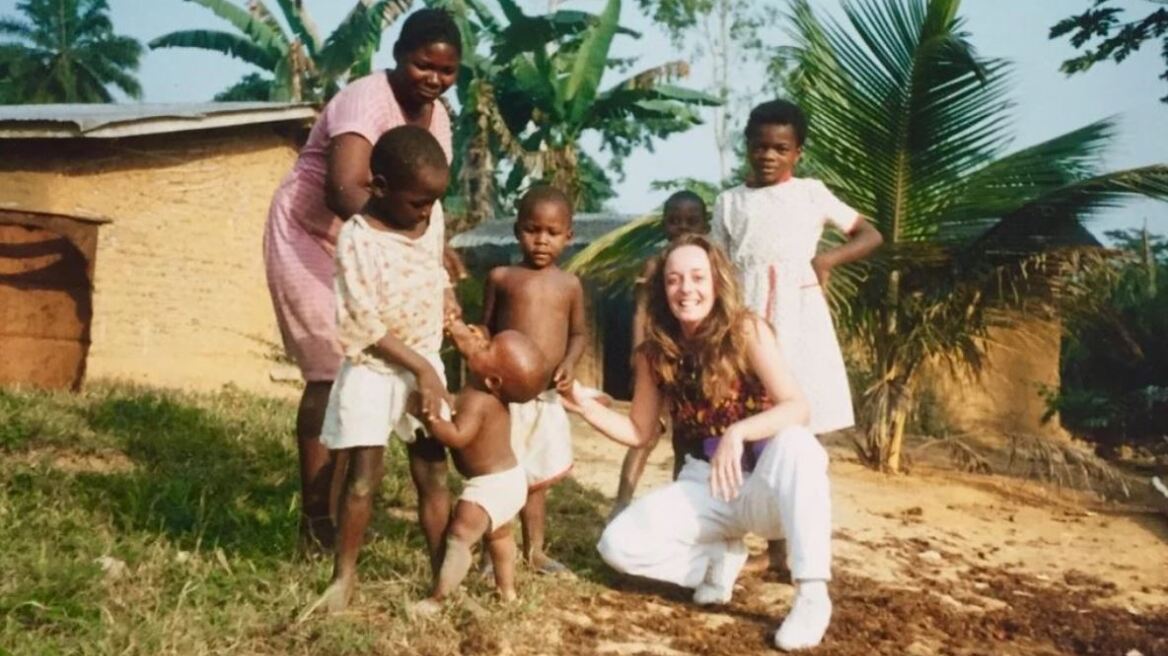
x,y
545,303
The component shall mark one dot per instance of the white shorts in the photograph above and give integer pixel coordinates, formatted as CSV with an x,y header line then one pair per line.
x,y
542,438
365,404
501,494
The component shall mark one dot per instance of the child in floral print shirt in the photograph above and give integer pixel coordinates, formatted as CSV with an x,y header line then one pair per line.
x,y
390,286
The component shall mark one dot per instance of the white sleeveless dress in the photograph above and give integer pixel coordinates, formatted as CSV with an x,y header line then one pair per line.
x,y
771,235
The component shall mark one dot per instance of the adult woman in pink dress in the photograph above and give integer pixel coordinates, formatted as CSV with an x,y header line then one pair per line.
x,y
327,185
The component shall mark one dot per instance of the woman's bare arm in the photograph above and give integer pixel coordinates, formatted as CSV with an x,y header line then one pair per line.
x,y
346,180
636,429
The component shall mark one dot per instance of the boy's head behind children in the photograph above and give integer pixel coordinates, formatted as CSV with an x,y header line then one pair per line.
x,y
409,174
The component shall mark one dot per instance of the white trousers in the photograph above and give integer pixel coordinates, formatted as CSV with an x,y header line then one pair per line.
x,y
672,533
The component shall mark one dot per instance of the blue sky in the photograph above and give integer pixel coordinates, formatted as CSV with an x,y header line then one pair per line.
x,y
1048,103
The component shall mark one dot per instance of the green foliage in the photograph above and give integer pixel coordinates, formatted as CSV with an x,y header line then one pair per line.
x,y
302,66
724,36
251,87
1107,36
65,51
530,88
1114,368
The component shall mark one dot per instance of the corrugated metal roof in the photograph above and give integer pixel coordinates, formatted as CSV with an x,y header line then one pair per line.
x,y
500,232
127,120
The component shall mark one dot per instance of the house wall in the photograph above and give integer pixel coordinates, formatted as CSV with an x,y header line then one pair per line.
x,y
179,292
1005,398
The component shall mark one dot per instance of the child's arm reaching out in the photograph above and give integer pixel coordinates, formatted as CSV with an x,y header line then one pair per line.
x,y
456,433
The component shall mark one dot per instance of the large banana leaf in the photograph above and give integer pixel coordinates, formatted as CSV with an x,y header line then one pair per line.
x,y
660,101
352,44
302,25
536,32
227,43
579,89
261,33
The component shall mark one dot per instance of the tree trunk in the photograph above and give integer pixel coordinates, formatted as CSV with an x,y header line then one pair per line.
x,y
895,440
478,175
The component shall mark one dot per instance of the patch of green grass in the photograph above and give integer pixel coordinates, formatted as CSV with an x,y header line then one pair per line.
x,y
142,521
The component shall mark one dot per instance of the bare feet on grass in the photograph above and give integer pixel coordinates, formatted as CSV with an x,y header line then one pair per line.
x,y
334,599
545,564
426,608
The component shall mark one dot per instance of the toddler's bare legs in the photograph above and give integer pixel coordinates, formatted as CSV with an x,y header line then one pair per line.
x,y
316,469
428,470
501,544
468,525
356,505
534,519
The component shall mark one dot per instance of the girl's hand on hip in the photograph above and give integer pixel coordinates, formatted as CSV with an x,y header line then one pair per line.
x,y
726,466
822,267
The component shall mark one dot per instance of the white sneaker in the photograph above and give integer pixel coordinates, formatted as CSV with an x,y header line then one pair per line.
x,y
718,584
805,625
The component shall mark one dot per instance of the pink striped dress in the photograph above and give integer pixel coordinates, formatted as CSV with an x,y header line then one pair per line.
x,y
301,233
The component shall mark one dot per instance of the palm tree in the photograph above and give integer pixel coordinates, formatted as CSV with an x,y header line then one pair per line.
x,y
300,64
65,51
538,90
910,126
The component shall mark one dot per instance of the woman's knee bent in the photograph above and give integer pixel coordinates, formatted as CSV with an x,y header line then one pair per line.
x,y
797,444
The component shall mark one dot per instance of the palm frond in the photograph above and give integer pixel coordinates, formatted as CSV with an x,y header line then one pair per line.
x,y
615,259
901,107
17,28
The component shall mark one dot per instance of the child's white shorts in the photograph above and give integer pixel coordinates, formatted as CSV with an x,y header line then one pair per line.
x,y
541,438
365,404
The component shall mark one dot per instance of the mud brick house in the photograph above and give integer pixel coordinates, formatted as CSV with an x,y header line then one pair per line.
x,y
130,241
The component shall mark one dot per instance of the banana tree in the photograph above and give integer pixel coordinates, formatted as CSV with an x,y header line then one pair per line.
x,y
532,88
302,65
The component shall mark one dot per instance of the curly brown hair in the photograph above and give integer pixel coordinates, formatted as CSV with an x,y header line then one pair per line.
x,y
719,344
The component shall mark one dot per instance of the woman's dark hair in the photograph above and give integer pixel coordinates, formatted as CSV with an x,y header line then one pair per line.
x,y
778,112
425,27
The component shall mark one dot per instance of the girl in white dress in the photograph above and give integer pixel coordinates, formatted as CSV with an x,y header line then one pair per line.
x,y
771,228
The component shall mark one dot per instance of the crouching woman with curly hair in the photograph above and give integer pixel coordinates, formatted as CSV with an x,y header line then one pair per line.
x,y
751,465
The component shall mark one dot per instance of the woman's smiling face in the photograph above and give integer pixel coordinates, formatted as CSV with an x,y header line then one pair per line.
x,y
689,286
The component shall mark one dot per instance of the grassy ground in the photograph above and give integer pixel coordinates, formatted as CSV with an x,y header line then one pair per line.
x,y
140,521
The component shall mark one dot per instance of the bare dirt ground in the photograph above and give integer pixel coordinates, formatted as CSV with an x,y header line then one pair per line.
x,y
933,563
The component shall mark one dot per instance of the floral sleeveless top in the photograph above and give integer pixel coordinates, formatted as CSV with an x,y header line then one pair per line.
x,y
698,422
